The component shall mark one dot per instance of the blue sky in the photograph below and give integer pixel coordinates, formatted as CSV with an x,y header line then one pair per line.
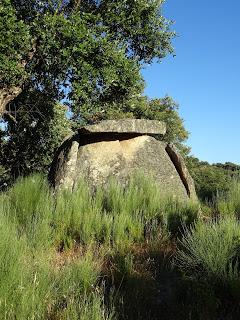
x,y
204,77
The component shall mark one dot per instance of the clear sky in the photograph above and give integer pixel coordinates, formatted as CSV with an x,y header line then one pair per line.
x,y
204,77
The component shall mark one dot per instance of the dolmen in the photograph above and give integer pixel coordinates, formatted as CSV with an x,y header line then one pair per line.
x,y
119,149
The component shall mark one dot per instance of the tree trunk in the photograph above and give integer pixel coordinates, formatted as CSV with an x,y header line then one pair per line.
x,y
7,95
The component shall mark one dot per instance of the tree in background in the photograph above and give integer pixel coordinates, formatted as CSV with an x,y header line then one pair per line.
x,y
31,136
88,53
211,179
141,107
93,48
15,51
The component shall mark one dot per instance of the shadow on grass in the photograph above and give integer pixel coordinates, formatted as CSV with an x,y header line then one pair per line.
x,y
145,286
145,283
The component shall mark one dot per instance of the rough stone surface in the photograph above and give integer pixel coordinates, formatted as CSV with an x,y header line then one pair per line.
x,y
150,127
98,156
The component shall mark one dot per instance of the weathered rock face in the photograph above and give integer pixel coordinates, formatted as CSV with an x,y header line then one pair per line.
x,y
118,149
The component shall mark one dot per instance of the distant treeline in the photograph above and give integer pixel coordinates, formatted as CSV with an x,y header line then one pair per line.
x,y
210,179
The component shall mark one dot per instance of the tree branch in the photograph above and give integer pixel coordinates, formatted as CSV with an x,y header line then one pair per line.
x,y
9,94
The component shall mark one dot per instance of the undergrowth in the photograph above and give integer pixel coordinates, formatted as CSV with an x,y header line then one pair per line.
x,y
120,253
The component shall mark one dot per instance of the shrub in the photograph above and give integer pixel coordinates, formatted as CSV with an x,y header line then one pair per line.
x,y
229,203
208,249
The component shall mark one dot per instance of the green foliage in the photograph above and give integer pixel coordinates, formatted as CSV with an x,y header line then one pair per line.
x,y
115,215
32,288
99,256
14,45
180,216
30,208
228,203
30,139
34,283
53,248
140,107
95,48
146,42
208,256
119,216
208,249
87,53
87,309
211,179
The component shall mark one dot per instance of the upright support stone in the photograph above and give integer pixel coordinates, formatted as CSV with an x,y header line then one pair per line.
x,y
182,170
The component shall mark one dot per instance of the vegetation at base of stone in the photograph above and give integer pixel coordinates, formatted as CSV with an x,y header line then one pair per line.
x,y
58,251
208,256
115,215
116,254
212,179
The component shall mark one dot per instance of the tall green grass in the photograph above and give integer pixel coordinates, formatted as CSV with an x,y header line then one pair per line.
x,y
36,281
118,215
208,256
213,247
29,206
53,247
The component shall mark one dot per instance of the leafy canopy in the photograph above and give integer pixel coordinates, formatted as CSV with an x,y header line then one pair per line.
x,y
14,45
89,52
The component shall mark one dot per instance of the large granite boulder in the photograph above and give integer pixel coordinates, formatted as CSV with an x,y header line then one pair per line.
x,y
119,148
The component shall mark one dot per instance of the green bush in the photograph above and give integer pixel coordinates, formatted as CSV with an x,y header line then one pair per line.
x,y
229,203
211,179
34,286
209,249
